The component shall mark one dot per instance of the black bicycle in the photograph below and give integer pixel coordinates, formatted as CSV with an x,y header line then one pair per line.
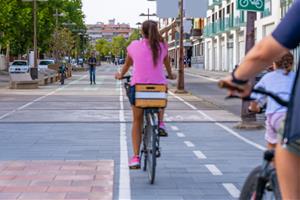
x,y
150,150
262,181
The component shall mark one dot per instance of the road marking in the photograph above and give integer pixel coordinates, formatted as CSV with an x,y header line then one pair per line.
x,y
233,191
189,144
199,154
226,128
180,135
39,98
90,89
124,178
174,128
214,170
204,77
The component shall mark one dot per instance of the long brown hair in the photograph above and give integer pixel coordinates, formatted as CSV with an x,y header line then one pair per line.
x,y
285,62
150,32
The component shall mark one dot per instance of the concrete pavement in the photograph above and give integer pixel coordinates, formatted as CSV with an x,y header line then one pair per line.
x,y
203,158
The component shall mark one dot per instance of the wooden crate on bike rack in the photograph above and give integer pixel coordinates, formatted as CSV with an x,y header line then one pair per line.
x,y
150,96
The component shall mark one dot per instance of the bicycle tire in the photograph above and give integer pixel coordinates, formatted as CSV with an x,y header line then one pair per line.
x,y
250,186
151,149
144,157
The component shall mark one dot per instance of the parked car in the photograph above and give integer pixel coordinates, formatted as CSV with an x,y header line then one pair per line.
x,y
121,61
19,66
43,64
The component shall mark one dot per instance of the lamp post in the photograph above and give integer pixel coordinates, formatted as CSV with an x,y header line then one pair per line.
x,y
56,15
148,14
34,70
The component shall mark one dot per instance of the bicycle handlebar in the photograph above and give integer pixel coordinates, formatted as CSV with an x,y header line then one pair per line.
x,y
279,100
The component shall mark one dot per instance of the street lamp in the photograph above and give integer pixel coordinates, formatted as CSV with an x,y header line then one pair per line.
x,y
34,70
56,15
148,14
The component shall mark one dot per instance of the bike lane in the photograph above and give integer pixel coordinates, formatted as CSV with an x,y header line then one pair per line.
x,y
200,160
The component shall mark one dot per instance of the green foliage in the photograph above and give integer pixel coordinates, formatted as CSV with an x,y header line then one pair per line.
x,y
62,43
118,45
16,22
103,47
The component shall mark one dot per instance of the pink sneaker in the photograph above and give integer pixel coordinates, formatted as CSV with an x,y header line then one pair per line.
x,y
135,163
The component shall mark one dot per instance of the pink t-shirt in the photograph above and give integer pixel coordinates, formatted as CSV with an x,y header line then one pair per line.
x,y
144,70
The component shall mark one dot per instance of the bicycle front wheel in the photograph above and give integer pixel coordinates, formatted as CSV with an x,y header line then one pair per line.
x,y
152,136
250,188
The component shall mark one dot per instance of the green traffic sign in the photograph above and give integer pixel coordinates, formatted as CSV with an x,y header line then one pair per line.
x,y
251,5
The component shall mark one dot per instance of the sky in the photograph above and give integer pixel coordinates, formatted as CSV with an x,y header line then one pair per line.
x,y
124,11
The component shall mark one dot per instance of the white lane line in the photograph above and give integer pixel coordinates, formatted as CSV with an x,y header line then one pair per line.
x,y
38,99
241,137
214,170
180,135
199,155
174,128
124,178
233,191
189,144
204,77
226,128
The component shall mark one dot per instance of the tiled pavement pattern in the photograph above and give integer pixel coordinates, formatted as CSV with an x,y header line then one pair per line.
x,y
56,180
82,122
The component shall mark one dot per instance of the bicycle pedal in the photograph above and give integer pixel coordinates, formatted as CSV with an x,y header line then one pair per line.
x,y
269,186
158,154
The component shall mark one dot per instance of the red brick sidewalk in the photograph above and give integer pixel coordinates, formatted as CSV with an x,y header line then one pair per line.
x,y
56,180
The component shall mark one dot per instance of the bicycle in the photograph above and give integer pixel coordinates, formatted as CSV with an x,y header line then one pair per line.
x,y
262,181
257,3
150,150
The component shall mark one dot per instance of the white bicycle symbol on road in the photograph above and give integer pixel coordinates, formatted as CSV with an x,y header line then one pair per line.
x,y
257,3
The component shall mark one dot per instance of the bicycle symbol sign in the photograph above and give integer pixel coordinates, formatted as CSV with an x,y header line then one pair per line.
x,y
251,5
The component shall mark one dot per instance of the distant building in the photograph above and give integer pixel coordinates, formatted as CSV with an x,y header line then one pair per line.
x,y
107,31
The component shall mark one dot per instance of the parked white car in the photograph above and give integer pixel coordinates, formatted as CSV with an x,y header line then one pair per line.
x,y
43,64
19,66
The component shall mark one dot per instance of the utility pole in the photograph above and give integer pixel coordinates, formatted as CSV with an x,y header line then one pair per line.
x,y
180,81
34,70
247,117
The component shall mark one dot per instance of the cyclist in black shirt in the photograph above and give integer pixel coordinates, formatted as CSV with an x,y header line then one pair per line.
x,y
286,36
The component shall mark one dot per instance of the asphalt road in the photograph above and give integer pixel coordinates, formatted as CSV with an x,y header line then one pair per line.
x,y
203,157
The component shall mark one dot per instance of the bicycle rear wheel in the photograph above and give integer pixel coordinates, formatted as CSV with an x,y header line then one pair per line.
x,y
250,188
151,143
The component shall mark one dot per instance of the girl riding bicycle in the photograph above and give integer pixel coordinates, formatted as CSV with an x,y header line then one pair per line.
x,y
147,56
279,82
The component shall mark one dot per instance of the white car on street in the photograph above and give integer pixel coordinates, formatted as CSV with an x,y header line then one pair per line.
x,y
19,66
43,64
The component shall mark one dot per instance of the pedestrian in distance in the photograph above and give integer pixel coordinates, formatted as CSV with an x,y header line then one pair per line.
x,y
148,57
92,61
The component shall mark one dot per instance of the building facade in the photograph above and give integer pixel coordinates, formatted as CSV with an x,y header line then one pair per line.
x,y
107,31
225,31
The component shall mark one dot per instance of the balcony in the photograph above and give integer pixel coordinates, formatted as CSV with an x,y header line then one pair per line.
x,y
213,3
229,23
240,20
197,32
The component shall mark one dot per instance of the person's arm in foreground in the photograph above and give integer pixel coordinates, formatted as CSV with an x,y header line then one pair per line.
x,y
260,57
125,68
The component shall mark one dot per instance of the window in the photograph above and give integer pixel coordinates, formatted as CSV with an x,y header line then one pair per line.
x,y
268,9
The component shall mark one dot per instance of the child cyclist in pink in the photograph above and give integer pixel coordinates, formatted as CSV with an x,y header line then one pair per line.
x,y
148,58
280,82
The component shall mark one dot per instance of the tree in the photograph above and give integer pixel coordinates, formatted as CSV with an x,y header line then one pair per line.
x,y
135,35
118,45
62,43
103,47
16,23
